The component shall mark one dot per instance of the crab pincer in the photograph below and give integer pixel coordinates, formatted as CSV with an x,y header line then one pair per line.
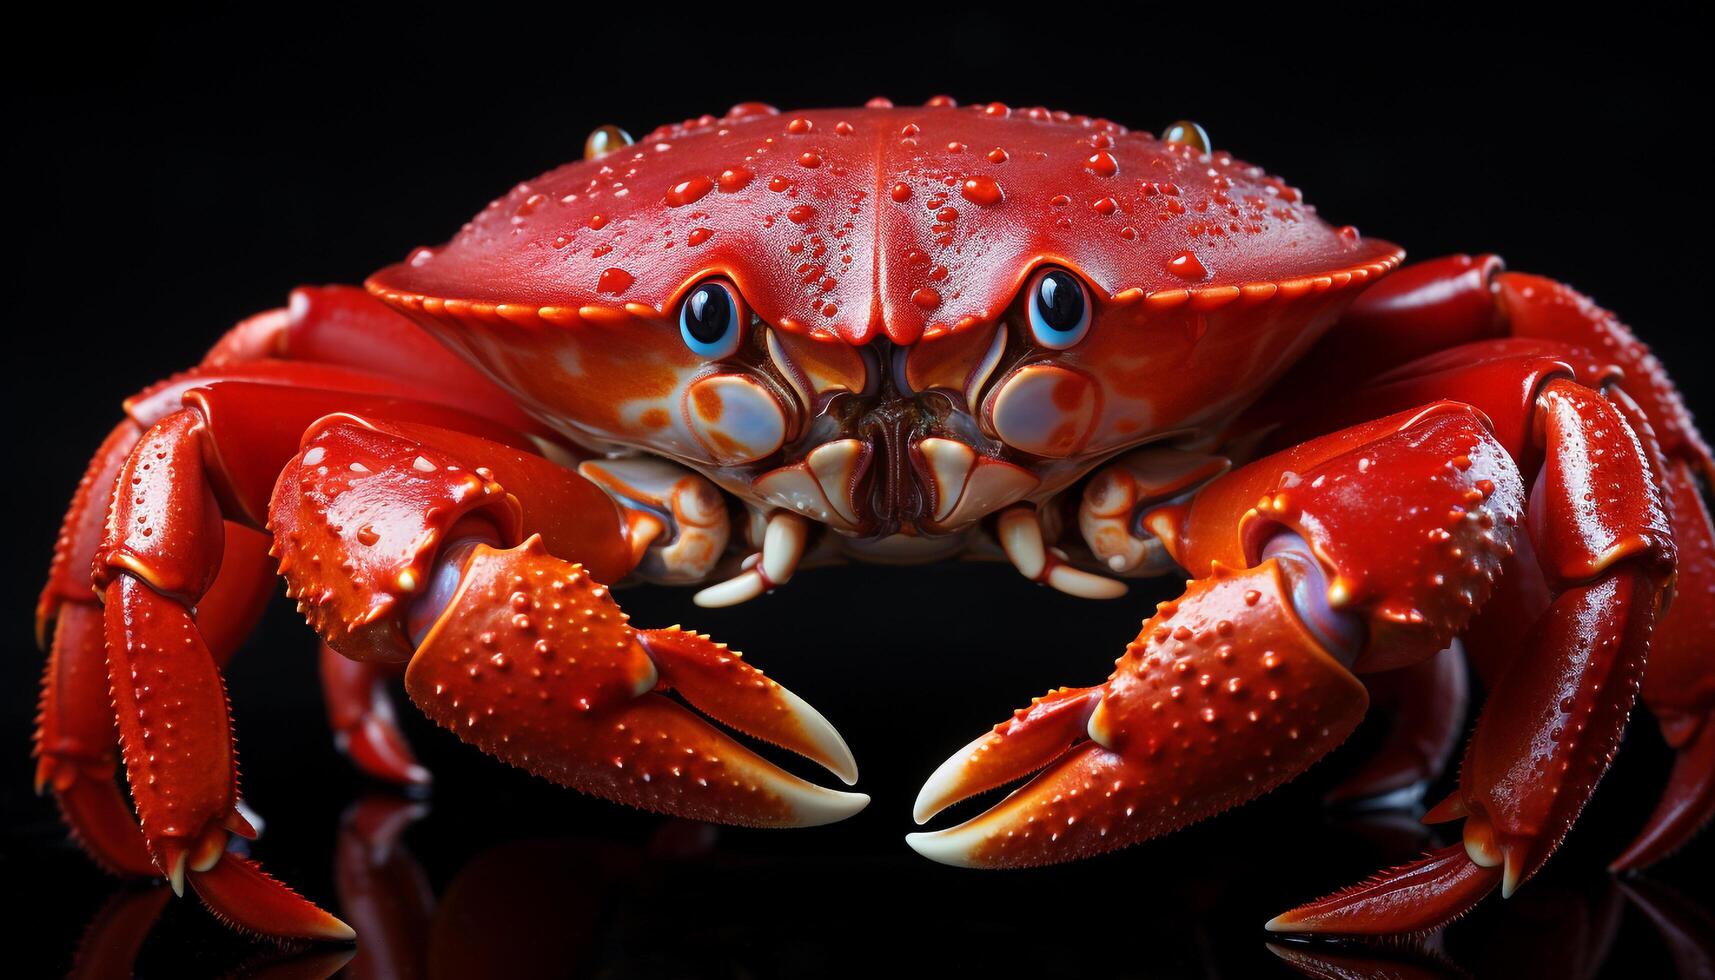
x,y
521,652
533,662
1365,550
1224,695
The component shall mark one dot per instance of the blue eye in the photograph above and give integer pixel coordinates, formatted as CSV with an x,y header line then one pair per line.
x,y
1059,309
712,320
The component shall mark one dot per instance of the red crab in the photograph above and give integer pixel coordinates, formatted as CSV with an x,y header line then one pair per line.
x,y
895,335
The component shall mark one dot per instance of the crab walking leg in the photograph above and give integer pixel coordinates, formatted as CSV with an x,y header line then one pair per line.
x,y
361,715
1444,312
163,546
1553,720
1426,702
1245,680
159,556
406,542
76,742
331,338
1679,686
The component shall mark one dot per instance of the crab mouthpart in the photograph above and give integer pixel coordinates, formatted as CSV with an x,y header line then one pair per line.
x,y
895,482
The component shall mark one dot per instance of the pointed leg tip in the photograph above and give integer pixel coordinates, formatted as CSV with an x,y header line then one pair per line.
x,y
1285,923
336,931
1635,858
176,874
1513,872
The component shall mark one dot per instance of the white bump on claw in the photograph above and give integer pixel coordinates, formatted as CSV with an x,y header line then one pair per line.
x,y
1098,726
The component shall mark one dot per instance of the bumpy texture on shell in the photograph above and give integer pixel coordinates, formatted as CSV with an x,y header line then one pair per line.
x,y
850,223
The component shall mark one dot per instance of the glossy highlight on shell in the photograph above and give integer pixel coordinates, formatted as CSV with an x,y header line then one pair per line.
x,y
902,205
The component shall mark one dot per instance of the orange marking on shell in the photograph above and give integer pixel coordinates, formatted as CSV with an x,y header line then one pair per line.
x,y
708,402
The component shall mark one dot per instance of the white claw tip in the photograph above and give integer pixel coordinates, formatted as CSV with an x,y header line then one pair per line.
x,y
818,806
943,787
942,847
835,755
1279,924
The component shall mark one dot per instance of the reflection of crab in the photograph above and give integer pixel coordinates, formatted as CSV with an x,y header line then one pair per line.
x,y
922,329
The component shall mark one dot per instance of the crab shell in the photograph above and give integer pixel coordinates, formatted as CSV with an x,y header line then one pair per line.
x,y
886,382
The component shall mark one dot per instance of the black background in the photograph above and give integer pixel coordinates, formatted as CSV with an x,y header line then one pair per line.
x,y
170,177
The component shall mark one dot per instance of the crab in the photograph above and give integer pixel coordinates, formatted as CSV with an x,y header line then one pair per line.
x,y
754,343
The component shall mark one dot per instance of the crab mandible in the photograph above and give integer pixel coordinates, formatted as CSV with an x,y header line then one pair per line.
x,y
906,334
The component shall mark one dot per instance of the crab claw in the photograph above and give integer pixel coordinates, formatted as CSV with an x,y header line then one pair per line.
x,y
1224,694
531,661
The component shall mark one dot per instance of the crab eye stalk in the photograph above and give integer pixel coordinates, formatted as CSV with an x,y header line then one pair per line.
x,y
1059,309
604,140
712,320
1187,133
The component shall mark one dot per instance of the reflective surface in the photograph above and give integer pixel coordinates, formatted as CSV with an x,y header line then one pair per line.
x,y
180,174
497,873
